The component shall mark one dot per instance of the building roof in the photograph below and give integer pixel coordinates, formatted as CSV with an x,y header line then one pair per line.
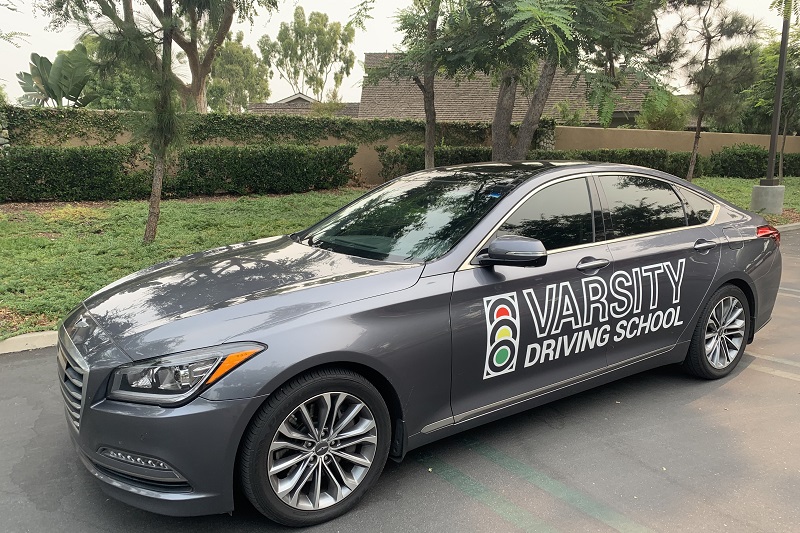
x,y
296,106
297,98
474,99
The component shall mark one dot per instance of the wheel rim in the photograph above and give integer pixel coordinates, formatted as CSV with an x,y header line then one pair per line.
x,y
322,451
725,332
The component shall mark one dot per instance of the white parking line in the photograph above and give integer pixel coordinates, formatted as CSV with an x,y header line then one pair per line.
x,y
790,290
775,359
779,373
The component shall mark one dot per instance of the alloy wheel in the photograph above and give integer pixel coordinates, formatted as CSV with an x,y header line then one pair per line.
x,y
725,331
322,451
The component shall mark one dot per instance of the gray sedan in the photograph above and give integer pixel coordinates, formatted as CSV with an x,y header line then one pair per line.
x,y
294,366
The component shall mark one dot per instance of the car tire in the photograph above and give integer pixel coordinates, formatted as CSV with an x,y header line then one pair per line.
x,y
298,471
721,334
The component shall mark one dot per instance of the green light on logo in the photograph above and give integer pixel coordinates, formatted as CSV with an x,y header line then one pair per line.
x,y
501,356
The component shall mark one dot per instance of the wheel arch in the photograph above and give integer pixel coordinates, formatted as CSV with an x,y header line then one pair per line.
x,y
746,287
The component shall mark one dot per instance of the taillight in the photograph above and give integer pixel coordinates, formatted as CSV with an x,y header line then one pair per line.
x,y
768,232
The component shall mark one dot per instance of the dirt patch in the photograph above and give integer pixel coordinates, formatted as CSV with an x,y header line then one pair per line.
x,y
12,320
48,235
792,215
41,208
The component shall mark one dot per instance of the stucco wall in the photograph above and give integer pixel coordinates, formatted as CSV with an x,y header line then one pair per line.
x,y
575,138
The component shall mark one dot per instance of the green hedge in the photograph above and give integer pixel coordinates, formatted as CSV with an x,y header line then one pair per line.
x,y
34,174
407,158
207,170
70,174
740,161
55,127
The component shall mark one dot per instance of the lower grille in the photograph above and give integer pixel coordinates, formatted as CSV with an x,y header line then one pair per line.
x,y
72,378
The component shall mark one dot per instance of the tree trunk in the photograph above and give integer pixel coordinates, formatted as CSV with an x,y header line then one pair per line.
x,y
159,164
783,147
501,124
530,123
160,142
199,93
430,121
695,147
428,78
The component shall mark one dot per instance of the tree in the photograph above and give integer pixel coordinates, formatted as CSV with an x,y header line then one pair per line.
x,y
196,19
238,77
422,59
10,37
523,43
724,63
761,96
116,84
309,53
3,96
135,48
59,83
662,110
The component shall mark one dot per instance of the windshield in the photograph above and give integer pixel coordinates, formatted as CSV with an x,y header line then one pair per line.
x,y
415,219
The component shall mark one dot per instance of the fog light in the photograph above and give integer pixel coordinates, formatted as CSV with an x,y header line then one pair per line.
x,y
133,459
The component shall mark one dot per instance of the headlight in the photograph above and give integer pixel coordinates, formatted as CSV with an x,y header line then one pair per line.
x,y
175,378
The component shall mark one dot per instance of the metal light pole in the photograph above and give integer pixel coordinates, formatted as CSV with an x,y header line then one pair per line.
x,y
768,195
776,113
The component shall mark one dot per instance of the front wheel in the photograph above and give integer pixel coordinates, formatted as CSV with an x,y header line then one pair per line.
x,y
720,336
315,447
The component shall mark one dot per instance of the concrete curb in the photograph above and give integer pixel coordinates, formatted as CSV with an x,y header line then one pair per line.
x,y
787,227
29,341
47,339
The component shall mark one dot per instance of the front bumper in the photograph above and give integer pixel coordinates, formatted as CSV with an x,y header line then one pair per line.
x,y
198,442
177,461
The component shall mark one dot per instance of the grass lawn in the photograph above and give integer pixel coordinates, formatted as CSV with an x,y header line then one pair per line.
x,y
54,255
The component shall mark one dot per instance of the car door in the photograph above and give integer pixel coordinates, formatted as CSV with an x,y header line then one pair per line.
x,y
516,330
664,263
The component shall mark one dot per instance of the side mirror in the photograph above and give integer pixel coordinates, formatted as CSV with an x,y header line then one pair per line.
x,y
513,250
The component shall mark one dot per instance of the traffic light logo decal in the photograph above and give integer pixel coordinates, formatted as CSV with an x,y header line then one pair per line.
x,y
502,330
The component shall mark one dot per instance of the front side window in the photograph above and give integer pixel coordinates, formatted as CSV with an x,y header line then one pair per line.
x,y
641,205
559,215
414,219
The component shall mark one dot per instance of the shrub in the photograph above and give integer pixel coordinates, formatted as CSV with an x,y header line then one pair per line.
x,y
739,161
33,174
406,158
791,164
207,170
678,164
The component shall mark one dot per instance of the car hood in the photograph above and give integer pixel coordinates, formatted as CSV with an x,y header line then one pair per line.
x,y
194,301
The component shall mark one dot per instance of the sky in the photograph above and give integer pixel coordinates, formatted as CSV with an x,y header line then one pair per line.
x,y
379,36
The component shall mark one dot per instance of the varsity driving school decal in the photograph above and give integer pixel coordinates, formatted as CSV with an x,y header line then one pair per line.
x,y
563,326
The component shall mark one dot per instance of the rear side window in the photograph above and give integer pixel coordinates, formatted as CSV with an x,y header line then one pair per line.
x,y
559,215
641,205
698,208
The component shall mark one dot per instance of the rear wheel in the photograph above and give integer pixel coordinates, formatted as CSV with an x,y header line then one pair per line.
x,y
720,336
315,447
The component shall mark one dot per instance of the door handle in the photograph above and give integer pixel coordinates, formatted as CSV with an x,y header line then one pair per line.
x,y
703,245
591,263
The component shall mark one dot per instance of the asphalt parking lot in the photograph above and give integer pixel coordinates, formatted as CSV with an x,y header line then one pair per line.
x,y
660,451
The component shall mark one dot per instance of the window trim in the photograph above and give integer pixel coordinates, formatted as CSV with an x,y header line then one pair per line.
x,y
467,263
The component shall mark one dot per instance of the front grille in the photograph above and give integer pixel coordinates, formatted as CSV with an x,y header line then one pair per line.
x,y
72,373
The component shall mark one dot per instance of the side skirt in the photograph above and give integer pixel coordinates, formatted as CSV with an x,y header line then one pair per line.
x,y
523,402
